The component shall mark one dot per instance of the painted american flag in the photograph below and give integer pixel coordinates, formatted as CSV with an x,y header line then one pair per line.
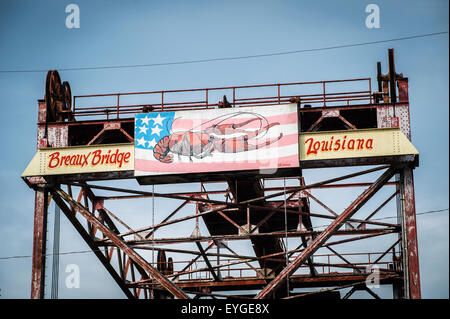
x,y
229,139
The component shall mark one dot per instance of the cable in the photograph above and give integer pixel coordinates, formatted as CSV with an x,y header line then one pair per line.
x,y
153,235
153,224
90,251
424,213
390,217
232,58
46,255
55,265
286,235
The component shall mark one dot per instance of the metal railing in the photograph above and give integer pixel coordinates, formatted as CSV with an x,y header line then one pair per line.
x,y
316,94
325,264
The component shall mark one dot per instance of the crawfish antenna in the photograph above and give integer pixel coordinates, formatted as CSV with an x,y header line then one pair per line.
x,y
167,127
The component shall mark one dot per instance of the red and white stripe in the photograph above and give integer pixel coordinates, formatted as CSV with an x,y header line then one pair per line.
x,y
280,154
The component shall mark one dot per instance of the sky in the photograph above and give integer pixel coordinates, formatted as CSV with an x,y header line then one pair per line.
x,y
34,36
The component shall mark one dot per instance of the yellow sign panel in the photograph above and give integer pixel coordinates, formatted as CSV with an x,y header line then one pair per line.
x,y
313,146
352,144
81,159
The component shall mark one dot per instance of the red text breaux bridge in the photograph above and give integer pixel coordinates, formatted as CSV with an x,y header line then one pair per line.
x,y
286,190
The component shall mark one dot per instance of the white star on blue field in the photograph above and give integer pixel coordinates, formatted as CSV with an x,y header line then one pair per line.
x,y
149,128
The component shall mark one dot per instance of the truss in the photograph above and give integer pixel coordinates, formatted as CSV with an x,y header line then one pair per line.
x,y
211,266
239,236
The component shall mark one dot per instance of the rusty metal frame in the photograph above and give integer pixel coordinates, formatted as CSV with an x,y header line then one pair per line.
x,y
97,204
320,239
321,98
114,240
199,275
127,259
59,195
105,260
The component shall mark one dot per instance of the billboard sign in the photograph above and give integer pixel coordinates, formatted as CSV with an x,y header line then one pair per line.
x,y
217,140
81,159
264,139
354,143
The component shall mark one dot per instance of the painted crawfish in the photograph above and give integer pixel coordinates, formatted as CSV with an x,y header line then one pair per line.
x,y
199,144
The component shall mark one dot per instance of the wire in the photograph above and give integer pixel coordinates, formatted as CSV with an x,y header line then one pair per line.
x,y
390,217
286,235
424,213
153,224
46,255
90,251
55,265
233,58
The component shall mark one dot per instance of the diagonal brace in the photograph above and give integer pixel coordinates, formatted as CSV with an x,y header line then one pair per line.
x,y
326,234
89,241
208,264
166,283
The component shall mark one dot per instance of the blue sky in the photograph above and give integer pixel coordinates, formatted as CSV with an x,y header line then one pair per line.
x,y
33,36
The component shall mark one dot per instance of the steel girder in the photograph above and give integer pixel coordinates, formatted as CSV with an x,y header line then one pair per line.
x,y
151,277
327,233
60,195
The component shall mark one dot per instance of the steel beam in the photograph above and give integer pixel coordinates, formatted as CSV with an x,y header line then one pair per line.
x,y
409,226
89,241
297,281
167,284
327,233
242,204
39,243
345,260
192,262
172,240
208,264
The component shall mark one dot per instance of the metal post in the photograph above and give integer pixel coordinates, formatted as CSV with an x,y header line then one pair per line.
x,y
55,266
39,243
392,78
118,103
379,81
409,235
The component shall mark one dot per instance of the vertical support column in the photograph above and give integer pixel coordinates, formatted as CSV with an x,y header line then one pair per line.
x,y
398,287
392,78
409,235
39,243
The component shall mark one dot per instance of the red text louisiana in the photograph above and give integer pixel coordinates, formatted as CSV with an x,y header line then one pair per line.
x,y
338,144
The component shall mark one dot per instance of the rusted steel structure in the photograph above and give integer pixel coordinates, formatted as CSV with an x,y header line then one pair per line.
x,y
243,236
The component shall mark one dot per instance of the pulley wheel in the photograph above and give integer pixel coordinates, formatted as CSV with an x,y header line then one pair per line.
x,y
67,95
53,94
170,266
161,262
